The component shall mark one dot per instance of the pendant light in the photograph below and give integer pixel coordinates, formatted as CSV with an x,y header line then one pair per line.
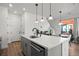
x,y
60,18
36,13
50,16
42,19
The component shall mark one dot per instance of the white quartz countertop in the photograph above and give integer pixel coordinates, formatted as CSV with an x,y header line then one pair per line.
x,y
47,41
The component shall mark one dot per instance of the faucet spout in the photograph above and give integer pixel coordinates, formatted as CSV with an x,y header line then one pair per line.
x,y
37,31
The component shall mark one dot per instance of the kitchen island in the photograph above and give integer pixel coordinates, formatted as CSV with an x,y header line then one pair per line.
x,y
51,45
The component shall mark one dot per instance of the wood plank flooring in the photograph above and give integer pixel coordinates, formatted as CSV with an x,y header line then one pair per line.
x,y
14,49
74,49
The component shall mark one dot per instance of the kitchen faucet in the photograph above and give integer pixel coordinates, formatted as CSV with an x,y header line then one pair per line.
x,y
37,31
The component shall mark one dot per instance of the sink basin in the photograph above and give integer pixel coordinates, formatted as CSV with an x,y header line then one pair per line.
x,y
33,36
64,36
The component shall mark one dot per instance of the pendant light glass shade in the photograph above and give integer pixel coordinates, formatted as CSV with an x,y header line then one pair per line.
x,y
36,22
36,14
42,20
50,17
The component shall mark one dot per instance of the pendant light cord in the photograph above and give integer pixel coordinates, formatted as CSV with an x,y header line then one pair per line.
x,y
42,10
36,10
50,9
77,27
60,14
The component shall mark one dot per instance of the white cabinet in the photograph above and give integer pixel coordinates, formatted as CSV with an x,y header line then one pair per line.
x,y
65,48
55,51
60,50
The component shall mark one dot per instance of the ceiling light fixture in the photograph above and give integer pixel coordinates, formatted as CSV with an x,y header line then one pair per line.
x,y
24,9
60,18
36,13
10,5
42,19
50,16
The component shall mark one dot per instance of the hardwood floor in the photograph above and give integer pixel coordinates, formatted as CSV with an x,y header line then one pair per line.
x,y
74,49
14,49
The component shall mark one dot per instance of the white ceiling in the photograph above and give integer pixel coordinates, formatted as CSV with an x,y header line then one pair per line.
x,y
69,10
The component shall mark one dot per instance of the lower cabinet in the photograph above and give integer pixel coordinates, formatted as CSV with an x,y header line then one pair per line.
x,y
31,49
55,51
37,50
65,48
25,44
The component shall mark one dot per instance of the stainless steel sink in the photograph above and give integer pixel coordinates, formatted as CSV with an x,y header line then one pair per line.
x,y
33,36
64,36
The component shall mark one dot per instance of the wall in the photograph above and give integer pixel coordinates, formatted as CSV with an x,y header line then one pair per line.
x,y
10,27
55,26
3,26
76,27
69,21
75,22
22,24
30,23
13,26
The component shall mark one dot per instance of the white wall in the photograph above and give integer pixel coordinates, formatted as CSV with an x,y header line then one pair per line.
x,y
22,24
10,27
30,23
30,18
13,27
78,25
76,28
3,26
55,26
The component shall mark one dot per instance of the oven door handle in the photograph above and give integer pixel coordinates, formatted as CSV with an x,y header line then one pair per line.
x,y
36,48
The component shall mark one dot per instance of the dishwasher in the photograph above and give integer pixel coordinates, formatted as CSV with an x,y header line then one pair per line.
x,y
37,50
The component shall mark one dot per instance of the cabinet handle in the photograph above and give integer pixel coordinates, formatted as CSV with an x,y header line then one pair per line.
x,y
36,48
25,44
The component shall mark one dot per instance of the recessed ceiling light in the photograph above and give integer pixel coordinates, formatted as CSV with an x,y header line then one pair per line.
x,y
15,12
10,5
24,9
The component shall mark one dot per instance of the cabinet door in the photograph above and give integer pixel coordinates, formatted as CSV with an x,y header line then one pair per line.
x,y
65,48
24,46
25,43
55,51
